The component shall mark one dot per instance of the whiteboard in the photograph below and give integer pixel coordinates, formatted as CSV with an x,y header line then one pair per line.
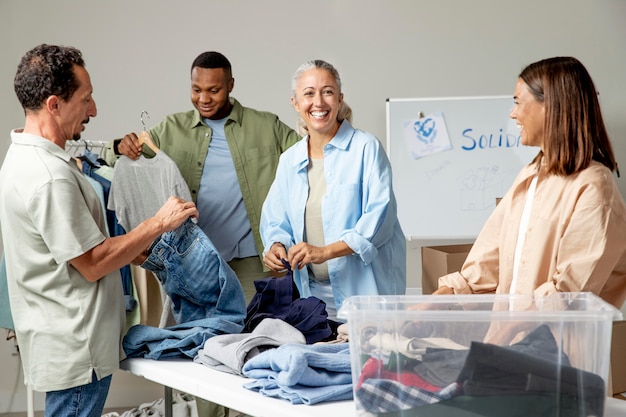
x,y
451,158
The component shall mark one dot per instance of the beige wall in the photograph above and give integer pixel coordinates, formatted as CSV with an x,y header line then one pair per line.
x,y
139,53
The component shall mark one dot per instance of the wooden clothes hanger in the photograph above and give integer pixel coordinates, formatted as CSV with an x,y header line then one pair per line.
x,y
146,139
144,136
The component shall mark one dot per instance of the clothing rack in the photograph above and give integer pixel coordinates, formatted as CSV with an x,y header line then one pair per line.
x,y
85,143
76,147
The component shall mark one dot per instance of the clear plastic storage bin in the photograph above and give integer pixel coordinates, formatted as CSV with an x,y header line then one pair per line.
x,y
480,355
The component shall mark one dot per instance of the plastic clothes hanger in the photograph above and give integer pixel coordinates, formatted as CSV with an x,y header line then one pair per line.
x,y
144,135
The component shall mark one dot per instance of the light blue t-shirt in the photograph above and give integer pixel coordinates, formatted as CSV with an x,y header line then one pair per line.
x,y
223,216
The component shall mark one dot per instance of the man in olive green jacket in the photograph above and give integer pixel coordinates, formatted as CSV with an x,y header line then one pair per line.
x,y
217,146
228,156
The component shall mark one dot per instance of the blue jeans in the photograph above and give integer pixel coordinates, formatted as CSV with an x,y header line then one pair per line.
x,y
206,295
195,276
82,401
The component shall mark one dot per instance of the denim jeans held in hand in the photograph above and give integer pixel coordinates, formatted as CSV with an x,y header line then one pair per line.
x,y
194,275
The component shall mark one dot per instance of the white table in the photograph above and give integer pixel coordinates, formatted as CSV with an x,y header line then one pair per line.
x,y
227,389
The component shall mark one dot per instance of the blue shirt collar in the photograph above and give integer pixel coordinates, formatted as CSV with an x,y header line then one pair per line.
x,y
341,141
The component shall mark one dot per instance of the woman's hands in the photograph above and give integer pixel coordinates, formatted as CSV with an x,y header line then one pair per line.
x,y
443,290
302,254
273,257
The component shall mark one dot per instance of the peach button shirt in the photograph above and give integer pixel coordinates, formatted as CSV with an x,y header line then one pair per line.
x,y
575,241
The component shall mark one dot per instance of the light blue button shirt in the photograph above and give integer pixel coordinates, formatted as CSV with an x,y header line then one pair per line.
x,y
359,208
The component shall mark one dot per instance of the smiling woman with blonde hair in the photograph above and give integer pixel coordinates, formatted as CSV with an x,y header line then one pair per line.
x,y
331,212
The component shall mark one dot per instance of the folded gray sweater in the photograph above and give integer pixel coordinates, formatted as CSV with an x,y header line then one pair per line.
x,y
229,352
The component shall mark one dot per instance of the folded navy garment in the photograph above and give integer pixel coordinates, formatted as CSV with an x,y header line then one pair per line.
x,y
272,299
279,298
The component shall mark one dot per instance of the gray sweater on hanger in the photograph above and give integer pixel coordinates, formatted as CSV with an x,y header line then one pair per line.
x,y
139,188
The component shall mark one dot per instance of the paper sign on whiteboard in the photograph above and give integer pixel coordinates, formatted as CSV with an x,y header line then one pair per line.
x,y
427,135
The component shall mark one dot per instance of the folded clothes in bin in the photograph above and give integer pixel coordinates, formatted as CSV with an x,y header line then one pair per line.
x,y
492,370
533,372
488,355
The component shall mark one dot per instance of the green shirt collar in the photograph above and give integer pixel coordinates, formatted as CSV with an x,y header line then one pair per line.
x,y
236,114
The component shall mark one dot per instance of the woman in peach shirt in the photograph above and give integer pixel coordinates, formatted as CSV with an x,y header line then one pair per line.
x,y
561,227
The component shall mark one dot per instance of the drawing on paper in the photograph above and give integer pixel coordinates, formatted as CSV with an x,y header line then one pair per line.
x,y
427,135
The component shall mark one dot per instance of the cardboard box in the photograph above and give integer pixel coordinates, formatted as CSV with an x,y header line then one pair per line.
x,y
473,350
618,358
441,260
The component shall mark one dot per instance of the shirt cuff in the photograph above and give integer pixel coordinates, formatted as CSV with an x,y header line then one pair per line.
x,y
116,143
456,281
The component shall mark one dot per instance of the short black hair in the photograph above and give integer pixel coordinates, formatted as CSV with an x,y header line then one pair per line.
x,y
44,71
212,59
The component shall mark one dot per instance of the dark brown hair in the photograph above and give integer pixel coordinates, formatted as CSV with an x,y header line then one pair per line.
x,y
575,133
44,71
